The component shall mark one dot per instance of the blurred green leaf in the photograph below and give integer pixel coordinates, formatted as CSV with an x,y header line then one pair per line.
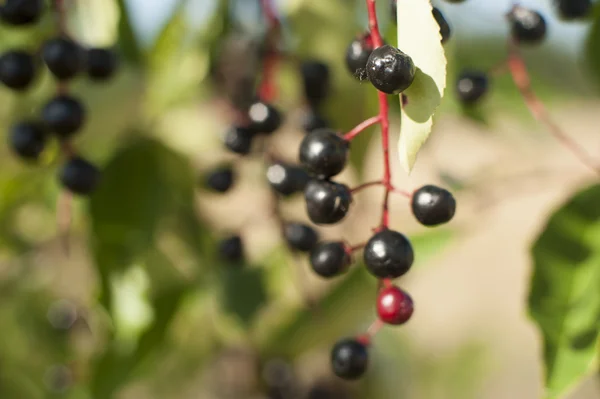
x,y
592,51
130,47
243,292
564,299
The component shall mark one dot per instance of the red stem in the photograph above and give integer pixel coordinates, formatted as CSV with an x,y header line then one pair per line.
x,y
366,185
268,89
361,127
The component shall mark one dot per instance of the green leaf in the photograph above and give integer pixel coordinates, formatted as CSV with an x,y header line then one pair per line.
x,y
593,47
564,299
130,47
244,293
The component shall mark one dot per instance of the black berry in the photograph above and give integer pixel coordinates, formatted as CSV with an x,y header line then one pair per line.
x,y
324,153
221,179
357,55
102,63
231,249
388,254
64,57
21,12
443,24
390,70
287,179
573,9
300,237
27,139
63,115
238,140
471,86
17,69
327,202
316,79
79,176
265,118
433,205
329,259
349,359
312,120
527,26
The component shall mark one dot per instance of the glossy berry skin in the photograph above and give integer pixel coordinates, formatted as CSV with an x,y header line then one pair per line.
x,y
64,57
27,139
327,202
231,249
287,179
394,306
443,24
390,70
17,69
63,115
79,176
349,359
527,26
238,139
21,12
102,63
312,120
300,237
317,80
471,86
573,9
357,55
433,205
324,153
330,258
265,118
388,254
220,180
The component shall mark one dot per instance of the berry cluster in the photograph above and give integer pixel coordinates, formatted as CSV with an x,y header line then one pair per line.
x,y
64,115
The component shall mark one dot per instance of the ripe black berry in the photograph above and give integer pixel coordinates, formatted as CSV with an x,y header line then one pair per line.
x,y
324,153
102,63
17,69
27,139
357,55
231,249
330,258
287,179
327,202
312,120
388,254
394,306
21,12
433,205
300,237
573,9
238,140
390,70
527,26
443,24
220,180
349,359
316,79
471,86
63,115
64,57
79,176
265,118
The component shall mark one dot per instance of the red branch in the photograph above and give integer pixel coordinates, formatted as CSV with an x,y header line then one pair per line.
x,y
268,89
361,127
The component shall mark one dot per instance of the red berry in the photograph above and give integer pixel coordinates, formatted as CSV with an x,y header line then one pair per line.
x,y
394,306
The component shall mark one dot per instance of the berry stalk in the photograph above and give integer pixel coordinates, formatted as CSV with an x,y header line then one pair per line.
x,y
267,90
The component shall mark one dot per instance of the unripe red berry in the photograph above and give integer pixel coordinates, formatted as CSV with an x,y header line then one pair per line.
x,y
394,306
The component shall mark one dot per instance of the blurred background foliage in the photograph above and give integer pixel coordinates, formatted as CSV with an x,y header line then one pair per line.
x,y
142,308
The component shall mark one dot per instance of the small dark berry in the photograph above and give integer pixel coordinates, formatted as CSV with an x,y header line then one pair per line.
x,y
357,55
312,120
21,12
220,180
28,139
471,86
329,259
390,70
17,69
79,176
102,63
394,306
300,237
443,24
527,26
238,140
316,79
573,9
64,57
349,359
231,249
388,254
64,115
324,153
265,118
327,202
287,179
433,205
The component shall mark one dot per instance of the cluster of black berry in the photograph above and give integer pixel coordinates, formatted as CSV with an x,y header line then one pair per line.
x,y
64,115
